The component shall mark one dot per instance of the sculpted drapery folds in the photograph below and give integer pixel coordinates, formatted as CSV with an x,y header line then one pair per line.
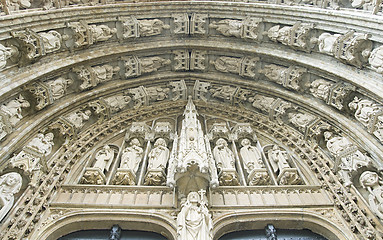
x,y
10,184
223,156
373,183
194,222
104,158
159,156
250,155
278,159
131,156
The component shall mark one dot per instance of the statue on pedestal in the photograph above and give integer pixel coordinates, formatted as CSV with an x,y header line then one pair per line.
x,y
251,156
158,159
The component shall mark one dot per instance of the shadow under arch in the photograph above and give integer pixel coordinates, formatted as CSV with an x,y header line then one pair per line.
x,y
132,220
281,219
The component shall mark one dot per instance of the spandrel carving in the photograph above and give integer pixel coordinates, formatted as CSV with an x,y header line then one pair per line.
x,y
299,36
348,158
375,59
10,185
373,183
369,114
352,48
290,77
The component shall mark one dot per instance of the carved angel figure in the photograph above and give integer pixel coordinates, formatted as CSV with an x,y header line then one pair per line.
x,y
372,182
104,158
158,157
223,156
251,156
228,27
375,59
58,87
278,159
10,184
131,156
13,109
364,110
42,144
194,221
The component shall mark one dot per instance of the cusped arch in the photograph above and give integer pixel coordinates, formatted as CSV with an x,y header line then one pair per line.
x,y
73,221
318,222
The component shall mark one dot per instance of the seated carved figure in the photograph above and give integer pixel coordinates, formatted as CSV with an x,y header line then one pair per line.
x,y
10,184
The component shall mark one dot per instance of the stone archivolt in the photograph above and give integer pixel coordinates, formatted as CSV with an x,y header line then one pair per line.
x,y
260,148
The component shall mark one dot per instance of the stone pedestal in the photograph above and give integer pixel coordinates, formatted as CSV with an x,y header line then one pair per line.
x,y
289,176
155,178
93,176
124,177
258,176
228,177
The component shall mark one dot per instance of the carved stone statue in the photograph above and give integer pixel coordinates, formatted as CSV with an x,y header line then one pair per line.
x,y
51,41
104,73
223,156
375,59
78,118
117,103
320,88
152,64
131,156
251,156
151,27
58,87
225,92
104,158
297,36
159,156
227,64
351,159
300,120
157,93
13,109
364,110
194,221
262,103
42,144
278,159
6,53
10,184
101,33
228,27
372,182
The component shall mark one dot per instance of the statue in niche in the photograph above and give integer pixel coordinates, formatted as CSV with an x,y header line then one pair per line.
x,y
151,27
10,184
42,144
227,64
320,88
228,27
223,156
104,158
251,156
101,33
351,159
158,156
13,109
78,118
364,110
278,159
194,221
372,182
131,156
58,87
152,64
375,59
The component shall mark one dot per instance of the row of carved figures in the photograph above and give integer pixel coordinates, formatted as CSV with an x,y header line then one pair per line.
x,y
158,157
351,47
12,6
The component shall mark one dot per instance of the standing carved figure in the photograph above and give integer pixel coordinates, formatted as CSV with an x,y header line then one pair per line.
x,y
104,158
251,156
158,157
371,181
194,221
278,159
223,156
10,184
131,156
